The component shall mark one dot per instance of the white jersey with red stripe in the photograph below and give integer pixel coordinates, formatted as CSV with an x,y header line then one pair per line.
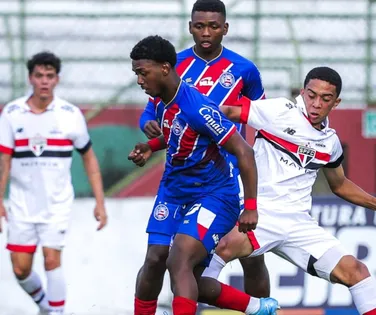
x,y
41,146
289,152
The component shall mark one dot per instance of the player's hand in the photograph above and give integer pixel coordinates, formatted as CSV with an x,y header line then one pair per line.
x,y
248,220
152,129
3,214
100,215
140,154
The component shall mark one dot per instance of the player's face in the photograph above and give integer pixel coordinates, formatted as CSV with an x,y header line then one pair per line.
x,y
44,80
320,97
149,76
208,29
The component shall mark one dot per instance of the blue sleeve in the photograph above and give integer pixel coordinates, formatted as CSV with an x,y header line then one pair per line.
x,y
253,88
148,114
208,120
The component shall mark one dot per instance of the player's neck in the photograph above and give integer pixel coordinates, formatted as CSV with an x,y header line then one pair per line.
x,y
171,89
38,105
208,56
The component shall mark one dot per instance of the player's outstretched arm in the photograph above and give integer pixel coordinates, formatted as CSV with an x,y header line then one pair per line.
x,y
346,189
5,164
237,146
95,179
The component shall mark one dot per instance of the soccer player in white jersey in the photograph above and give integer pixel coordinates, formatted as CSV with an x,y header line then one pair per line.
x,y
38,133
293,141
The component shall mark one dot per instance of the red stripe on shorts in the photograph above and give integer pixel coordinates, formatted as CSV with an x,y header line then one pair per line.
x,y
252,238
22,248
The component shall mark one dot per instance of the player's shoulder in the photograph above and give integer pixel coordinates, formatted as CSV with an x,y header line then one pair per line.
x,y
240,61
184,54
14,106
191,92
66,107
280,104
193,98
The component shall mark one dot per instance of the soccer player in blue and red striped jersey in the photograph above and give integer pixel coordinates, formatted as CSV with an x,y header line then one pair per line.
x,y
197,177
224,76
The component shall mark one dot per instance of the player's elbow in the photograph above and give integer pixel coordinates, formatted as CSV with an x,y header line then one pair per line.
x,y
245,152
337,188
230,112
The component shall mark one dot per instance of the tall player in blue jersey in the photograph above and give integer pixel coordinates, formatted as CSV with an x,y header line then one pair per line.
x,y
224,76
197,178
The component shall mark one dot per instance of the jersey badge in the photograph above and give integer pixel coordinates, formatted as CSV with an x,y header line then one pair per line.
x,y
176,127
306,154
227,80
37,144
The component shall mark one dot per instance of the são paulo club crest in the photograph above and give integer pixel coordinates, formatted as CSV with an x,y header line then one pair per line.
x,y
227,80
37,144
161,212
306,154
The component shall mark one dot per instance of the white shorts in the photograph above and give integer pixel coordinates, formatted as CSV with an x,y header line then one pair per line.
x,y
298,238
24,237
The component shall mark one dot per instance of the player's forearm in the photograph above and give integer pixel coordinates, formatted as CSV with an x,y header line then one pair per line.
x,y
5,164
356,195
248,173
95,177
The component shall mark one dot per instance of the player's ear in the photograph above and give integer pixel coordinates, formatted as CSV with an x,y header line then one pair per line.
x,y
166,67
190,27
225,28
336,103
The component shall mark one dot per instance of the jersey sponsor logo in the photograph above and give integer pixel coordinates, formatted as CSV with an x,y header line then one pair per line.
x,y
292,164
12,108
289,131
213,119
37,144
55,131
227,80
177,128
19,130
291,105
166,124
161,212
320,144
68,108
206,81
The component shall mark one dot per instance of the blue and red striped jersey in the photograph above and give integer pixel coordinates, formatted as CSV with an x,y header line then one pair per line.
x,y
194,128
224,80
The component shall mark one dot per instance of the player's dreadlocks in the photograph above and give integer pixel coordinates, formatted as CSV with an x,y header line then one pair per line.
x,y
154,48
44,58
325,74
209,6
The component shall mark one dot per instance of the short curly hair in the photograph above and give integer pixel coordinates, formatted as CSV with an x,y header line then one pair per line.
x,y
154,48
209,6
325,74
44,58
